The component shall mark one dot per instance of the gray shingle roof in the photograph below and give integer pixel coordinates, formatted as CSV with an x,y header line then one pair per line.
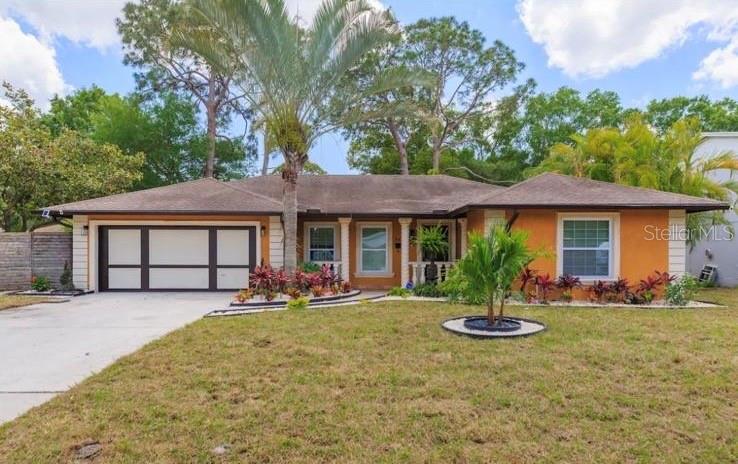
x,y
349,194
380,195
207,196
557,190
374,194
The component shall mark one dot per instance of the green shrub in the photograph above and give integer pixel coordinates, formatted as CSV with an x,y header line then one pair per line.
x,y
681,291
298,303
41,284
309,267
518,297
429,290
456,288
65,280
399,291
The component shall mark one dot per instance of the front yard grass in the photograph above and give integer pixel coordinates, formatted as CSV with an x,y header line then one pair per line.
x,y
16,301
383,382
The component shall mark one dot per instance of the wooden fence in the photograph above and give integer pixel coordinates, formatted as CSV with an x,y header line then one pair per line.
x,y
24,255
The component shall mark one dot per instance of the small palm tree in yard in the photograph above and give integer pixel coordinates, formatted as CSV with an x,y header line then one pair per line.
x,y
491,265
290,74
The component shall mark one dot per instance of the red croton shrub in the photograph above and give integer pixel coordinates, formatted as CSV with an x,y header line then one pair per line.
x,y
270,283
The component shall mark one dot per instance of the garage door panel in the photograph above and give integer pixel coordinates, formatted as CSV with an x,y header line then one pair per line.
x,y
178,247
124,278
124,246
179,278
176,258
233,278
233,247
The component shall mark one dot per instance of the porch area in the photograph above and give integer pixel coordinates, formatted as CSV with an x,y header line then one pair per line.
x,y
380,253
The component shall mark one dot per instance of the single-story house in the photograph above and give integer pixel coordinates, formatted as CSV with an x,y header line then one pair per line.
x,y
208,234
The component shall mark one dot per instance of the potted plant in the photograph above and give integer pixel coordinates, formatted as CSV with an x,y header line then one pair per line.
x,y
567,283
433,243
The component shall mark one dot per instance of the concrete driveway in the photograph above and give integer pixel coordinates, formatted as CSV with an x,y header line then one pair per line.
x,y
47,348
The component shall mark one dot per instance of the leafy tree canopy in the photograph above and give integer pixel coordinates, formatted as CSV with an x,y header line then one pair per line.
x,y
165,128
453,110
639,155
39,168
151,32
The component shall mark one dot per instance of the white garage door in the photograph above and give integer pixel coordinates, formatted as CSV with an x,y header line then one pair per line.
x,y
179,259
176,258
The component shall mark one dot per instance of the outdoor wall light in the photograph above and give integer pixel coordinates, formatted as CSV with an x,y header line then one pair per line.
x,y
263,230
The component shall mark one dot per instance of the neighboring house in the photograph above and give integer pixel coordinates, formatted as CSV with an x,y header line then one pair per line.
x,y
207,234
718,249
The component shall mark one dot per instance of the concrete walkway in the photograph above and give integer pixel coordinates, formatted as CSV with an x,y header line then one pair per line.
x,y
47,348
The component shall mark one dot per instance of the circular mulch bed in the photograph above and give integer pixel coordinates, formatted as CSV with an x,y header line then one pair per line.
x,y
476,327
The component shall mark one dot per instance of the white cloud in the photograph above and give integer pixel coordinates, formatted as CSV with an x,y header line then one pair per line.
x,y
29,64
86,22
720,65
593,38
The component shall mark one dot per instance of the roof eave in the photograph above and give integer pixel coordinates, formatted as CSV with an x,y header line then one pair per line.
x,y
70,213
694,208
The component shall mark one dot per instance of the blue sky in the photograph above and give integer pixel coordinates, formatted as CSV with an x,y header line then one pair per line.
x,y
642,50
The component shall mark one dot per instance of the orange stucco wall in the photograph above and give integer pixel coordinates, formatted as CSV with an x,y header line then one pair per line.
x,y
638,256
475,220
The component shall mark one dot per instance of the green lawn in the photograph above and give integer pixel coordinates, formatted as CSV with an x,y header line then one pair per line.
x,y
16,301
383,382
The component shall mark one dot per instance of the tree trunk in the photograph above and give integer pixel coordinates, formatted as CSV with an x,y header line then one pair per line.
x,y
289,215
401,148
491,311
7,220
265,162
212,134
436,157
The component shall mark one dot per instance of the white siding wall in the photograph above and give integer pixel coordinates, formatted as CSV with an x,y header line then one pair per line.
x,y
493,217
80,256
276,242
677,242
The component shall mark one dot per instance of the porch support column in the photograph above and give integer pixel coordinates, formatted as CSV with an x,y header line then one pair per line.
x,y
462,239
405,250
345,239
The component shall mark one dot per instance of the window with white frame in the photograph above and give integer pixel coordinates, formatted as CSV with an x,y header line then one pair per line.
x,y
587,247
321,243
374,249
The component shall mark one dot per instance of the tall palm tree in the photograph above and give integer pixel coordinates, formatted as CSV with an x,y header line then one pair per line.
x,y
291,73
